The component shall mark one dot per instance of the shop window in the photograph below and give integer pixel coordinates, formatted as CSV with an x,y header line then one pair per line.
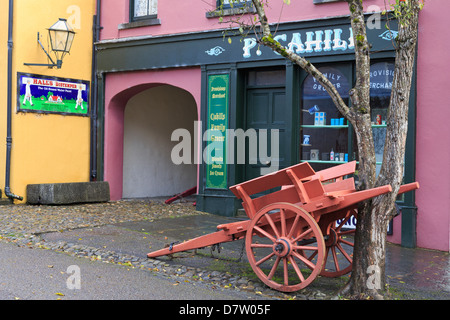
x,y
324,131
326,137
143,9
381,78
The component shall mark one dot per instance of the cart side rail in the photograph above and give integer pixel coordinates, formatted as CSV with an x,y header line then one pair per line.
x,y
299,184
272,180
336,172
339,185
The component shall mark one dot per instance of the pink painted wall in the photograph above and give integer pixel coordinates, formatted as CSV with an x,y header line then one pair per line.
x,y
433,129
189,16
119,88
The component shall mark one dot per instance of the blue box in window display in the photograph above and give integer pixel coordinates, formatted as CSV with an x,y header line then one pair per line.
x,y
306,139
320,118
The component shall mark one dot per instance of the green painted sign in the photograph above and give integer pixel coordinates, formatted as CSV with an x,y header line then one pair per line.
x,y
217,124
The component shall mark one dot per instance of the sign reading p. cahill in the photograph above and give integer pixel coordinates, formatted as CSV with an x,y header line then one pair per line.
x,y
43,94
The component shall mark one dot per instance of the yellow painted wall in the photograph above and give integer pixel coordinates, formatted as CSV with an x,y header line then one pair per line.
x,y
47,148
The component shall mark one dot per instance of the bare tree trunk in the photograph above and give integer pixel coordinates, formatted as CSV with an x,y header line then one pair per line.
x,y
368,275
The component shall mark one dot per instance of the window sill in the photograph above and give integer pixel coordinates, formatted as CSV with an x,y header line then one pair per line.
x,y
229,12
140,23
326,1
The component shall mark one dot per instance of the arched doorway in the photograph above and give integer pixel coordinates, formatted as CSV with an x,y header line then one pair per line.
x,y
172,88
150,117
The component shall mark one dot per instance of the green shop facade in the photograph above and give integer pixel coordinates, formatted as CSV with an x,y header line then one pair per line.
x,y
283,115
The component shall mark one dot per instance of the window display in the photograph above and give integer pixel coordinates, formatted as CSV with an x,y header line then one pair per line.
x,y
381,77
326,137
324,130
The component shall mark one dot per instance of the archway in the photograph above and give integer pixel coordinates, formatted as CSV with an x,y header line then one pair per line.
x,y
149,120
122,88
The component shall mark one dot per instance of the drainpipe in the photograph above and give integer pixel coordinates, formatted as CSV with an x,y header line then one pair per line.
x,y
94,96
8,192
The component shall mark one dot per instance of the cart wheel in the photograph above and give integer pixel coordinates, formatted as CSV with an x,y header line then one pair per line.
x,y
275,239
339,244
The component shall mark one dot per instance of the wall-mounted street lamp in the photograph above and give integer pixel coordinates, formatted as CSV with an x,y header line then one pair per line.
x,y
61,36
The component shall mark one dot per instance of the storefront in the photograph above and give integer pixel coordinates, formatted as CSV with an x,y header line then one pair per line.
x,y
258,112
269,96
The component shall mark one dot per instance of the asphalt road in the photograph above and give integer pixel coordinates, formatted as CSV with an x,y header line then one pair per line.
x,y
35,274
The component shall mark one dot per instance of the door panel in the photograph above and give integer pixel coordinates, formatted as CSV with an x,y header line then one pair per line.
x,y
265,112
259,107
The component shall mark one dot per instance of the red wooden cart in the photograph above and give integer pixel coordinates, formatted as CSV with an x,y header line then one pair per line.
x,y
296,233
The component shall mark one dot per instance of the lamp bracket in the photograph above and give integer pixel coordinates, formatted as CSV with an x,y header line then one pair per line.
x,y
53,64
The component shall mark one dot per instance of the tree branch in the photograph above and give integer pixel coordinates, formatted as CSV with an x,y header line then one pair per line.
x,y
268,40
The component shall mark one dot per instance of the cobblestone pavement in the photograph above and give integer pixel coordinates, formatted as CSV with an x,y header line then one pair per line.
x,y
24,219
32,226
25,225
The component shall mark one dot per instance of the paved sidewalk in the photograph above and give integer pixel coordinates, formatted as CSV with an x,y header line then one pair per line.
x,y
124,232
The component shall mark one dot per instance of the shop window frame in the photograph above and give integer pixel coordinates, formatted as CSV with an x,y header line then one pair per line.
x,y
134,18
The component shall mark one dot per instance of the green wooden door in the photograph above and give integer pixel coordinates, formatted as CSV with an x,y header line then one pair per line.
x,y
266,119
